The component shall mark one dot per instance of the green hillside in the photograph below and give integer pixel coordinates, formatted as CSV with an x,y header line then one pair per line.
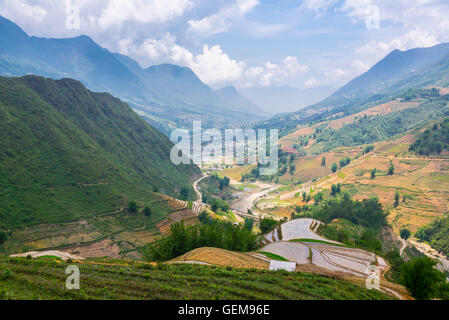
x,y
66,151
434,140
45,279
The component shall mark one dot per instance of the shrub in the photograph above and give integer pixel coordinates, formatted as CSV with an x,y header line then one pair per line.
x,y
422,279
147,212
132,207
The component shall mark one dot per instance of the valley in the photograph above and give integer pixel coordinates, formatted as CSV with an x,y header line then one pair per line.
x,y
357,207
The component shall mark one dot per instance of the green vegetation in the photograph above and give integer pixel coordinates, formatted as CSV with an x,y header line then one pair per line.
x,y
219,205
74,153
317,241
363,221
334,167
273,256
335,189
147,211
391,169
396,199
432,141
423,280
373,173
368,149
215,234
40,279
132,207
436,234
344,162
215,187
405,234
268,224
370,129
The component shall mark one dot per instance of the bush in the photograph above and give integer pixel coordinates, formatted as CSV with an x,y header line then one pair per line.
x,y
373,173
405,234
214,234
132,207
334,167
3,237
422,279
147,212
268,224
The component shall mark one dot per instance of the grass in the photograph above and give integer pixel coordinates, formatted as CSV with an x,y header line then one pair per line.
x,y
274,256
317,241
122,280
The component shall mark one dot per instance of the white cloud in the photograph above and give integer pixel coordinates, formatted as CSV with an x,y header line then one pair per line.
x,y
222,21
311,83
212,65
319,6
142,11
13,8
373,51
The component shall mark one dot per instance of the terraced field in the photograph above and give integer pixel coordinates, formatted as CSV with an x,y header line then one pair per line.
x,y
121,280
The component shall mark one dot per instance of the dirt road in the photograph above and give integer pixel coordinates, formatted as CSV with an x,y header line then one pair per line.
x,y
195,187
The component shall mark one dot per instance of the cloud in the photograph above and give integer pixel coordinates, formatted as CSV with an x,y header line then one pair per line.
x,y
319,6
212,65
311,83
11,8
221,21
143,11
373,51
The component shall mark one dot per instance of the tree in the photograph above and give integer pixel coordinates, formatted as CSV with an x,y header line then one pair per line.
x,y
397,198
3,237
405,234
373,173
267,225
391,169
318,197
323,161
147,211
422,279
184,194
334,167
304,196
132,207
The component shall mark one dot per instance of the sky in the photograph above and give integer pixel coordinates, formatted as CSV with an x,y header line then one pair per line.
x,y
245,43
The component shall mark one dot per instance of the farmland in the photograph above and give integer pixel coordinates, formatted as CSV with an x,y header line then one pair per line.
x,y
122,280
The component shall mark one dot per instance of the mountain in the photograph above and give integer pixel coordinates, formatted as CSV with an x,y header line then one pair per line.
x,y
166,95
234,100
390,79
284,98
393,68
66,151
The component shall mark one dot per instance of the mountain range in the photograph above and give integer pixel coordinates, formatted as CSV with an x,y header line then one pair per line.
x,y
387,80
166,95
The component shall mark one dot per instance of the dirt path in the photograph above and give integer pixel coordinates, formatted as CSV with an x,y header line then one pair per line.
x,y
404,246
195,187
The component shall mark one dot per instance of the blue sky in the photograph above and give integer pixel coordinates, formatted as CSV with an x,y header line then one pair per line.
x,y
246,43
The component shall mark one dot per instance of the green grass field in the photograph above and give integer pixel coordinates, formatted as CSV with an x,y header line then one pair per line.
x,y
45,279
